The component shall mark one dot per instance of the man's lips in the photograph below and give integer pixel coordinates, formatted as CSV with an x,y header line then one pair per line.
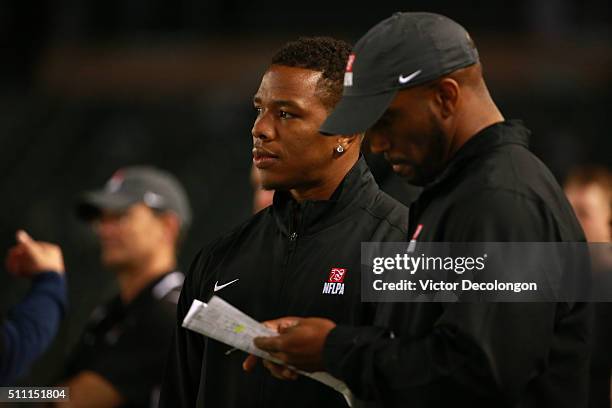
x,y
399,162
400,166
263,158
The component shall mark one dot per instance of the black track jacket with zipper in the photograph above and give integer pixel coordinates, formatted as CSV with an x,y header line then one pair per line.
x,y
520,355
277,264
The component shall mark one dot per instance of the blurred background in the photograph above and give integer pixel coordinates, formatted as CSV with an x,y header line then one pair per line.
x,y
89,86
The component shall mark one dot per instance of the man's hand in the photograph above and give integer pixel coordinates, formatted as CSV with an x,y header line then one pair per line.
x,y
278,371
30,257
299,344
89,389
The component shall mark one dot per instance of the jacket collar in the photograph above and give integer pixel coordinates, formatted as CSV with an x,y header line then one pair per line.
x,y
356,190
488,139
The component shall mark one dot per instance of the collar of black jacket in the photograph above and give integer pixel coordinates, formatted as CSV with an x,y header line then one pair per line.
x,y
489,138
356,190
154,291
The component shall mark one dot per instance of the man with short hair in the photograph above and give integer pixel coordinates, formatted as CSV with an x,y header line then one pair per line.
x,y
589,190
299,256
415,83
139,217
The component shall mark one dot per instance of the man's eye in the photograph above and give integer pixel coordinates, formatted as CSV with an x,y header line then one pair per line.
x,y
285,115
258,109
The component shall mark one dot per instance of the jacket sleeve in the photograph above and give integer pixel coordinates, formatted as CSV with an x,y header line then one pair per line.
x,y
185,361
31,325
471,347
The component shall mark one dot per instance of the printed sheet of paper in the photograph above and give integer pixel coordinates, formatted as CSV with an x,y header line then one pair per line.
x,y
221,321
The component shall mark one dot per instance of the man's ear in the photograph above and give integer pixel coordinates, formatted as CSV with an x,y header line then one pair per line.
x,y
172,225
350,141
447,97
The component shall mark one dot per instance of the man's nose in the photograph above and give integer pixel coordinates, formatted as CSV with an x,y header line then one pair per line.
x,y
263,127
104,227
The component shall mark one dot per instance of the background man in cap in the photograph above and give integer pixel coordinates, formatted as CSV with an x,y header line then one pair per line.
x,y
301,254
139,217
415,81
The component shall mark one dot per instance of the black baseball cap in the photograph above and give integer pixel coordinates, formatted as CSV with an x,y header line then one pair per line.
x,y
405,50
156,188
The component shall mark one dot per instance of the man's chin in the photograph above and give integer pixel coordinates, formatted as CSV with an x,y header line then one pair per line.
x,y
269,187
114,262
410,175
270,184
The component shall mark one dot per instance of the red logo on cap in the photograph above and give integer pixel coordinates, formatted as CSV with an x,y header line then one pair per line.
x,y
115,182
337,275
349,63
118,176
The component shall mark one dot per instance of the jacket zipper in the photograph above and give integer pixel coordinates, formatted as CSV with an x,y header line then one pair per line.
x,y
294,224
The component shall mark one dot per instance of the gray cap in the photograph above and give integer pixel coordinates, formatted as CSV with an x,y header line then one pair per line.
x,y
156,188
405,50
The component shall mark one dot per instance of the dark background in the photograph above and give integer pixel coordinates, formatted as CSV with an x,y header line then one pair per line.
x,y
89,86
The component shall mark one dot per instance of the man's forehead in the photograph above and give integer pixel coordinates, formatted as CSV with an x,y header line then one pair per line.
x,y
287,83
404,100
137,207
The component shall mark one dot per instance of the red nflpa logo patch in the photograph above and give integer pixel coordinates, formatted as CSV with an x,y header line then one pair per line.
x,y
337,275
335,282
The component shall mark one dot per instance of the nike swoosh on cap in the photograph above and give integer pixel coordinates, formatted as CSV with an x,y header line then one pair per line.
x,y
219,287
406,79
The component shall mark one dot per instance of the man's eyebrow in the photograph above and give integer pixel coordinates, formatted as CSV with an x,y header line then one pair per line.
x,y
279,103
287,103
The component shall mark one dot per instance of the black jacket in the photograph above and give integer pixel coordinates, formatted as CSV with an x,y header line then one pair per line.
x,y
477,355
126,344
280,262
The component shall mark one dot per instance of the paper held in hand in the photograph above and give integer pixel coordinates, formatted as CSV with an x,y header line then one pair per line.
x,y
221,321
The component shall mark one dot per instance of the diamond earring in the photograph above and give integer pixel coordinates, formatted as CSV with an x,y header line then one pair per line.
x,y
340,149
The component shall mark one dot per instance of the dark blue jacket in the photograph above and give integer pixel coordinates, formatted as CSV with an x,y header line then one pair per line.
x,y
31,325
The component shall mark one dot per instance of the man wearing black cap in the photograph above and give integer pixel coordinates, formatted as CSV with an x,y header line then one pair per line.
x,y
414,81
139,216
298,256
